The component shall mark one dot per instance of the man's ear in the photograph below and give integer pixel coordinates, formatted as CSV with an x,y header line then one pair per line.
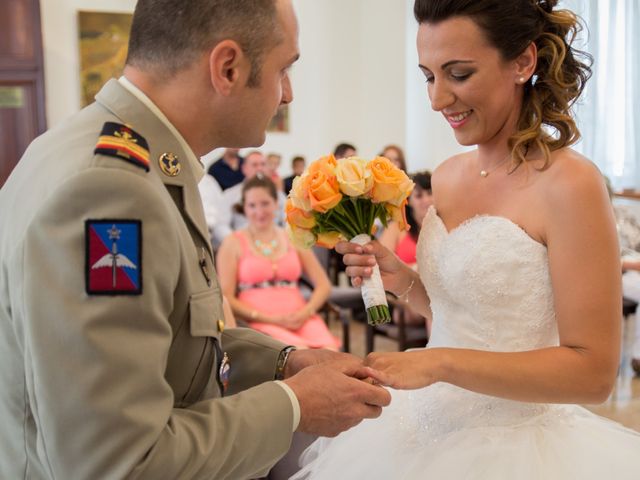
x,y
225,66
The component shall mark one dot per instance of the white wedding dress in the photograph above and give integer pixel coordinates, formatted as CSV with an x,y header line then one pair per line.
x,y
490,289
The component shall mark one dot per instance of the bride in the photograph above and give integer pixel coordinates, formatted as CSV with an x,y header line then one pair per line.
x,y
518,267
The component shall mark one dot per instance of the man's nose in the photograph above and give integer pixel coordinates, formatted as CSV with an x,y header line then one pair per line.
x,y
287,91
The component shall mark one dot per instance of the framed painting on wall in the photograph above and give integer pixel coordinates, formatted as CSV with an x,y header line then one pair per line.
x,y
103,40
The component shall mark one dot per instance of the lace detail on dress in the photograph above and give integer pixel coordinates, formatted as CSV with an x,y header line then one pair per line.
x,y
489,285
490,289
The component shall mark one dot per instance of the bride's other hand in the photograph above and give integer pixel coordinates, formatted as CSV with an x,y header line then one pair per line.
x,y
403,370
360,261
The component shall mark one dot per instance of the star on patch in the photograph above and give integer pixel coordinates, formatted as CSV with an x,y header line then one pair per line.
x,y
121,141
113,257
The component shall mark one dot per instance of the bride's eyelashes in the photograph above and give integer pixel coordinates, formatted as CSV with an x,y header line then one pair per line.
x,y
457,77
461,77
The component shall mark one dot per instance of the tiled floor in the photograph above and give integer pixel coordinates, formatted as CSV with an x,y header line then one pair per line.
x,y
623,406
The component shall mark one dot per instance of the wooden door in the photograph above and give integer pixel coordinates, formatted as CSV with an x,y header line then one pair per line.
x,y
22,111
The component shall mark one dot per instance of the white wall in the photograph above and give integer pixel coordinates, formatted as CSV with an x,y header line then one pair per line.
x,y
357,80
349,82
429,138
61,54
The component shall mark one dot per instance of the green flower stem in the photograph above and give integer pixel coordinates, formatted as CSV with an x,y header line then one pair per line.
x,y
378,315
372,215
358,217
365,206
343,224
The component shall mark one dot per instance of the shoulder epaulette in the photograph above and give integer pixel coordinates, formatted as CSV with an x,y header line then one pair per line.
x,y
117,140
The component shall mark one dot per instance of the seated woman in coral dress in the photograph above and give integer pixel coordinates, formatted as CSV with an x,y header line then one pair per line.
x,y
403,243
259,270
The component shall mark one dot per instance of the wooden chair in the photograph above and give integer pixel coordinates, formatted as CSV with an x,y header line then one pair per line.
x,y
344,303
628,307
400,330
335,308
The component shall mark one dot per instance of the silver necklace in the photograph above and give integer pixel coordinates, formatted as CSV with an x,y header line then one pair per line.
x,y
485,173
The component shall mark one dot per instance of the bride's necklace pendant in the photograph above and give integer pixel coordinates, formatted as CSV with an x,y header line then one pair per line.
x,y
485,173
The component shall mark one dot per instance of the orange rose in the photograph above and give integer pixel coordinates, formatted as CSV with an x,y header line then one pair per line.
x,y
398,215
323,190
390,184
297,217
325,164
299,194
328,239
301,237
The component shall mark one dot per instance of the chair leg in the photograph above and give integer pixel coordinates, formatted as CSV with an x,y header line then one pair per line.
x,y
368,338
345,319
400,320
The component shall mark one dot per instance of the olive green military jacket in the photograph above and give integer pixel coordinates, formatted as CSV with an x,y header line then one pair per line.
x,y
97,383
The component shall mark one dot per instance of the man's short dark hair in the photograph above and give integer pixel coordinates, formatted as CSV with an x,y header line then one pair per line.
x,y
169,35
341,148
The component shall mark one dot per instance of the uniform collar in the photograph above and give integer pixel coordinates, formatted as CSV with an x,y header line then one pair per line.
x,y
196,165
135,109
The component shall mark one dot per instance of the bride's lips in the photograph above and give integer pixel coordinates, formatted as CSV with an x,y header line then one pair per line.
x,y
458,119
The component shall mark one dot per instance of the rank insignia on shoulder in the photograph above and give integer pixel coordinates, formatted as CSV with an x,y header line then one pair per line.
x,y
120,141
113,257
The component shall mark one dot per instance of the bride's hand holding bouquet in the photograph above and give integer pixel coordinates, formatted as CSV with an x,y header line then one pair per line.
x,y
339,200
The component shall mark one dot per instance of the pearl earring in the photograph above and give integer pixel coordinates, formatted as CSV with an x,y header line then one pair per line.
x,y
521,79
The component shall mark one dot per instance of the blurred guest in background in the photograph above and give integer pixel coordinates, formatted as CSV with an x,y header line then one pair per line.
x,y
259,271
273,164
344,150
403,243
297,166
396,155
227,170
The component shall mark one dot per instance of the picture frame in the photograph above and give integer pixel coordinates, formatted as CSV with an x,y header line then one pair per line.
x,y
103,39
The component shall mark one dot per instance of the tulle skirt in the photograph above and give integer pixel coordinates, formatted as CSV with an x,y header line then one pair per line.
x,y
470,436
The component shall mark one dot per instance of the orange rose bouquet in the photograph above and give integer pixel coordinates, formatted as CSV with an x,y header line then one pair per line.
x,y
336,200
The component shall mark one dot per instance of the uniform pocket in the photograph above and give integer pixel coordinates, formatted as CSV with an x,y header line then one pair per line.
x,y
206,313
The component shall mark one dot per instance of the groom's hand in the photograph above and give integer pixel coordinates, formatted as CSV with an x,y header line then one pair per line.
x,y
332,399
300,359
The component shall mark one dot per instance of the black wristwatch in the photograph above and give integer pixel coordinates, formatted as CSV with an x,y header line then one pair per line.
x,y
282,362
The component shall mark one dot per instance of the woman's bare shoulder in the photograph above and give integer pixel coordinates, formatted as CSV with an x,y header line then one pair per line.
x,y
572,186
451,168
570,172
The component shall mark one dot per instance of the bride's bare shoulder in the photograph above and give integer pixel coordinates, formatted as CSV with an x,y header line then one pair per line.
x,y
570,172
572,186
451,170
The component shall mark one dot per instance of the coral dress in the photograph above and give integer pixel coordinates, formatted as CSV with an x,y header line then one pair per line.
x,y
490,289
406,249
271,287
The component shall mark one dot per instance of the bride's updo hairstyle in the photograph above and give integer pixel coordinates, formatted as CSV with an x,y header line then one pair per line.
x,y
561,70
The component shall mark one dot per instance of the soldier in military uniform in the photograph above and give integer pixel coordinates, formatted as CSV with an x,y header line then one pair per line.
x,y
114,359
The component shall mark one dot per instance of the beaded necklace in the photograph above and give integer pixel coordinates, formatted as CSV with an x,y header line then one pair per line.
x,y
266,248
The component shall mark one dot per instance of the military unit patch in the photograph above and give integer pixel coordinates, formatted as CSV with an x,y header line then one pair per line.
x,y
113,257
117,140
